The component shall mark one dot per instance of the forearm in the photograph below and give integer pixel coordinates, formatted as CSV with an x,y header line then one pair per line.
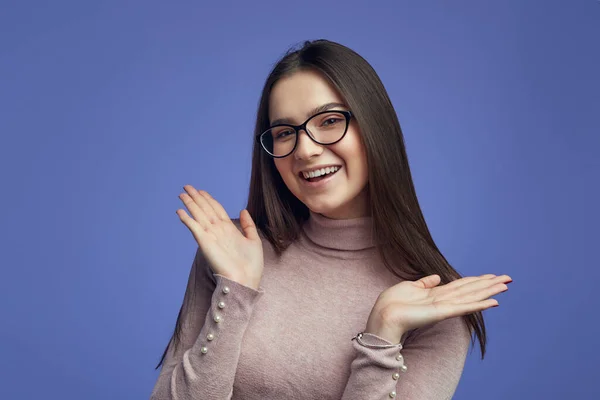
x,y
434,357
376,369
207,369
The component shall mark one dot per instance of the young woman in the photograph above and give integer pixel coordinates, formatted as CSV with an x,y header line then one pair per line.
x,y
329,285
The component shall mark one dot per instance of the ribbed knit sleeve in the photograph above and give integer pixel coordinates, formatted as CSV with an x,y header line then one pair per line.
x,y
215,314
434,358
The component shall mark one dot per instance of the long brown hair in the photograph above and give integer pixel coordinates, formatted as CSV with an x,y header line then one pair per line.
x,y
401,233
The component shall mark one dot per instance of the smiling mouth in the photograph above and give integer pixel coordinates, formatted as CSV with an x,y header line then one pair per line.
x,y
319,178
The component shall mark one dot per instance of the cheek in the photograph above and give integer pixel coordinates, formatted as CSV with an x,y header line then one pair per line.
x,y
355,156
359,170
362,156
284,168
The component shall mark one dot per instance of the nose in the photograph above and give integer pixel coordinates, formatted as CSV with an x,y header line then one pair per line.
x,y
306,147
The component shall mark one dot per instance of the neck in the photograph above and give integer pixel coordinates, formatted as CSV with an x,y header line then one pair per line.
x,y
341,234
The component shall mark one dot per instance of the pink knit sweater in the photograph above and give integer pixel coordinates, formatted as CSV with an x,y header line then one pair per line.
x,y
291,339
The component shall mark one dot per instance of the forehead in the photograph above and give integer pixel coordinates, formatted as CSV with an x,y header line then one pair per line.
x,y
294,96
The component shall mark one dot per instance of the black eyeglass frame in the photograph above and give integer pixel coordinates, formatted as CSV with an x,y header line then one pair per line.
x,y
297,128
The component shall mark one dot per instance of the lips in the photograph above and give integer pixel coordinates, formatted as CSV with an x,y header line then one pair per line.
x,y
321,177
321,182
301,173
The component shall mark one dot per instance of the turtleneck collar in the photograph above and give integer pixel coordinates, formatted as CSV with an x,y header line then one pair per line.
x,y
340,234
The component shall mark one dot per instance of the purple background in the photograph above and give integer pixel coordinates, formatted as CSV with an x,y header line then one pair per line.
x,y
108,108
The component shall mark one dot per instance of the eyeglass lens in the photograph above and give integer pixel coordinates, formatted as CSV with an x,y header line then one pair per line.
x,y
324,128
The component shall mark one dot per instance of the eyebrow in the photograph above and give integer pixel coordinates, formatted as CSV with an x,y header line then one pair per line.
x,y
312,112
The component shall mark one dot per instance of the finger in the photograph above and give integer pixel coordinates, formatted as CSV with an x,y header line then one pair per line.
x,y
458,310
449,290
202,203
479,284
462,281
248,225
195,228
429,281
216,206
482,294
196,212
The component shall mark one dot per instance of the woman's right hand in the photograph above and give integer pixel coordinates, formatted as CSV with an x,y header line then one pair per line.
x,y
230,253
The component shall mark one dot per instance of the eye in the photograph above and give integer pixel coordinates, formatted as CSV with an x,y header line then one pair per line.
x,y
331,121
283,133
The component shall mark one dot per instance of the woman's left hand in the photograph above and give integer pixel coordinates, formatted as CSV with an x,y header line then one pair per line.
x,y
413,304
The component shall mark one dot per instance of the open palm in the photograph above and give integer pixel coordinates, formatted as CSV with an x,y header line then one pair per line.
x,y
230,253
413,304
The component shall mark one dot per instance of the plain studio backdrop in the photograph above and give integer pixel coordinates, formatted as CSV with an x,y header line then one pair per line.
x,y
108,108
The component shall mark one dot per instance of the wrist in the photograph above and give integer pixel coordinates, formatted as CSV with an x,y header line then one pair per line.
x,y
379,327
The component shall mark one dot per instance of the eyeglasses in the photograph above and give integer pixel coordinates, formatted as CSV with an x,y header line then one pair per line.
x,y
326,127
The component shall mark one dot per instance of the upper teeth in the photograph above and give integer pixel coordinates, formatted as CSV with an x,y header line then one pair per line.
x,y
319,172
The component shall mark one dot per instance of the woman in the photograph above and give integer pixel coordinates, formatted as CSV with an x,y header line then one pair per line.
x,y
329,285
